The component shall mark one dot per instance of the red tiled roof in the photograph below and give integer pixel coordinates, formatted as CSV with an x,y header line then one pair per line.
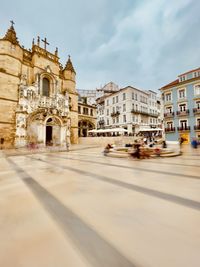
x,y
171,84
189,72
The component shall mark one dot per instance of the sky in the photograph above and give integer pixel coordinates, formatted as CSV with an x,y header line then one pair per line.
x,y
142,43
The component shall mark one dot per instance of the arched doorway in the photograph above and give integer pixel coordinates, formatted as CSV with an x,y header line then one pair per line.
x,y
83,127
49,137
53,131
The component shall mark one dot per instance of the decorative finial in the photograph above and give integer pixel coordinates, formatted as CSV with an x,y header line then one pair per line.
x,y
38,40
45,43
69,65
56,52
11,34
12,22
33,42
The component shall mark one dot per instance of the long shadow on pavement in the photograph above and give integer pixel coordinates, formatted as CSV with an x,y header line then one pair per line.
x,y
97,251
154,193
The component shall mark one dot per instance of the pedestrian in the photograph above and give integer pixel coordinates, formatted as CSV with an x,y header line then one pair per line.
x,y
107,149
67,146
194,143
164,145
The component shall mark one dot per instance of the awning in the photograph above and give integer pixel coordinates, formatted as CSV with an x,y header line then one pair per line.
x,y
112,130
151,130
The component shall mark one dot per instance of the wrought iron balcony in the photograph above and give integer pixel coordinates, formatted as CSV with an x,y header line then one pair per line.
x,y
115,114
196,127
101,122
196,110
183,112
170,129
136,111
183,128
153,115
169,114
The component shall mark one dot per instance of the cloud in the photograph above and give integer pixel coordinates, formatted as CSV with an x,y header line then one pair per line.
x,y
142,43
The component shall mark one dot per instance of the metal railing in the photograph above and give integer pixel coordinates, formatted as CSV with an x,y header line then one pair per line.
x,y
169,114
170,129
183,128
182,112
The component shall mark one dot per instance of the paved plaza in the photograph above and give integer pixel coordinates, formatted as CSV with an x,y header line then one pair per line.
x,y
80,208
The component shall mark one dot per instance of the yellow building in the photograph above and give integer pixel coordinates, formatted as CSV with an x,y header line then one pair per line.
x,y
87,117
38,98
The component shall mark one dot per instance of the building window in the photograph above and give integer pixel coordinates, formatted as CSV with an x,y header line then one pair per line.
x,y
113,100
45,87
132,95
107,102
168,97
169,124
124,117
117,119
79,109
113,120
85,111
181,93
182,107
117,99
198,104
136,97
107,112
168,109
113,109
124,96
197,89
124,107
91,112
107,121
183,124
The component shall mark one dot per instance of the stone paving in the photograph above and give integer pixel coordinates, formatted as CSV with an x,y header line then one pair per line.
x,y
79,209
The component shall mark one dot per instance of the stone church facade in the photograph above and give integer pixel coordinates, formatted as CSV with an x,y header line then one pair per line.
x,y
38,98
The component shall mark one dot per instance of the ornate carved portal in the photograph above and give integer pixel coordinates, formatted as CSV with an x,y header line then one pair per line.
x,y
44,129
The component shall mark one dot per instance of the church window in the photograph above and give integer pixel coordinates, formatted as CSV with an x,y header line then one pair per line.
x,y
45,87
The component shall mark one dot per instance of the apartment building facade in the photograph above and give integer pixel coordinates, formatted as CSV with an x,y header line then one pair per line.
x,y
129,108
182,107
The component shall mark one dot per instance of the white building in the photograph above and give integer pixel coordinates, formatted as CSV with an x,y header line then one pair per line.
x,y
129,108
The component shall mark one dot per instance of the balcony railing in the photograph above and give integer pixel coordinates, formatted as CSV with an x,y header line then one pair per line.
x,y
136,111
183,112
101,122
115,114
183,128
169,114
170,129
153,115
196,127
196,110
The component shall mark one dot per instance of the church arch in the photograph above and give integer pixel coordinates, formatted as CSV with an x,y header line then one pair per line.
x,y
47,84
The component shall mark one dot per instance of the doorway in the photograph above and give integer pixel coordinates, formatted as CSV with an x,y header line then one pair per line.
x,y
49,135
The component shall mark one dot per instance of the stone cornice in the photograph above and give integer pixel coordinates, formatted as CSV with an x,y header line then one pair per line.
x,y
7,99
7,73
6,122
6,54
